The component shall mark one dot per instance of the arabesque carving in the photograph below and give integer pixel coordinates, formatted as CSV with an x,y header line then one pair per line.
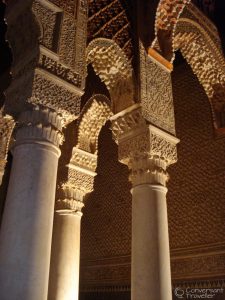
x,y
114,69
147,150
54,93
49,17
156,93
54,67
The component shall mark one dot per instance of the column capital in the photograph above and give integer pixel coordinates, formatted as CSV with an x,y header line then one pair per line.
x,y
69,200
39,124
145,149
81,172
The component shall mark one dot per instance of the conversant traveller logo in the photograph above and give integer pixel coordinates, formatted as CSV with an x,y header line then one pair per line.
x,y
197,293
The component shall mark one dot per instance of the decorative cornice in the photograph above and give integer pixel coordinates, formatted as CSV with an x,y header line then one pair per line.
x,y
39,123
147,150
113,271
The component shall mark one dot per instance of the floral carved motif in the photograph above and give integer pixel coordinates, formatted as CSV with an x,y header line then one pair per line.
x,y
113,68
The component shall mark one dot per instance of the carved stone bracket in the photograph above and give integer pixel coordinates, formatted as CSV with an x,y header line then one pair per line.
x,y
147,150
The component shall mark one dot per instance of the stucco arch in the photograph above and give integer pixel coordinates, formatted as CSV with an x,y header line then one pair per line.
x,y
112,66
94,115
205,57
167,16
179,25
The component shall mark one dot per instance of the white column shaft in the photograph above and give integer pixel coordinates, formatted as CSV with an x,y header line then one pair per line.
x,y
151,276
26,231
65,260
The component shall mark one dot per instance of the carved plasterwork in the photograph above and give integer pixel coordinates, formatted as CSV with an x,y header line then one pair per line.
x,y
72,194
60,70
41,73
167,15
51,92
146,149
6,127
205,58
114,69
156,93
83,162
81,38
49,17
94,115
186,272
73,37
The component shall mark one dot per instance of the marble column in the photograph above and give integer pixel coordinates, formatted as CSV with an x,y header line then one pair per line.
x,y
26,231
65,256
65,259
151,277
147,151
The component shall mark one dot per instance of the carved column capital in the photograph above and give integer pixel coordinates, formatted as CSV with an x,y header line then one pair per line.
x,y
145,149
81,172
39,124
